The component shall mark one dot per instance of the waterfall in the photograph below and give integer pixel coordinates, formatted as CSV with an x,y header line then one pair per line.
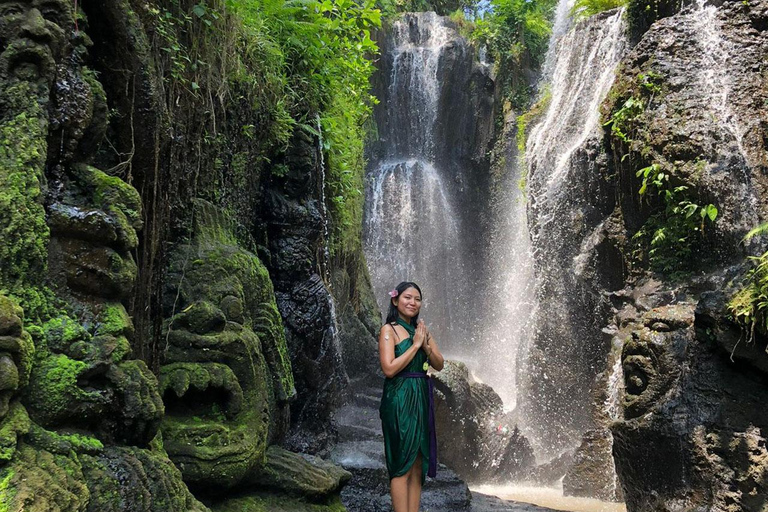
x,y
411,227
565,228
412,235
325,271
714,79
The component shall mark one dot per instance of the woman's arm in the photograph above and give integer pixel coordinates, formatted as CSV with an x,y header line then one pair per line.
x,y
433,353
390,364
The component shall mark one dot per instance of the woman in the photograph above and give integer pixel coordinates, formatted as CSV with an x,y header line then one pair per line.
x,y
406,350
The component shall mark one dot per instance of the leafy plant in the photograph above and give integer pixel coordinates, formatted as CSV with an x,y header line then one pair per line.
x,y
749,306
516,35
586,8
623,119
673,232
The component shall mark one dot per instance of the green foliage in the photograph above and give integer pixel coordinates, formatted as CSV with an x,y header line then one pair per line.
x,y
677,228
762,229
392,8
326,49
516,35
324,46
749,306
587,8
623,119
292,61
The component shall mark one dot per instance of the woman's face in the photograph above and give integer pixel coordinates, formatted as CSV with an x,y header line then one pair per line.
x,y
408,303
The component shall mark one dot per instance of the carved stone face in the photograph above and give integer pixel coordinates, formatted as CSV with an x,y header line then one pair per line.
x,y
222,377
693,431
650,360
33,36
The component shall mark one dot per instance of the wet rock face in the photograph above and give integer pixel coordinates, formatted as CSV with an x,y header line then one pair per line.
x,y
475,437
295,226
226,378
693,433
701,117
591,473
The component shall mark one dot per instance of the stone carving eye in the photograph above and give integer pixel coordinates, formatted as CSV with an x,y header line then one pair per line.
x,y
52,14
10,10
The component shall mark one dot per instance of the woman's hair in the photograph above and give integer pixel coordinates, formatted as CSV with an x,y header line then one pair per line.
x,y
392,314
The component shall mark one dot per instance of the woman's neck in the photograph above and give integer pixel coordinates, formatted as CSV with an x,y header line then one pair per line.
x,y
406,319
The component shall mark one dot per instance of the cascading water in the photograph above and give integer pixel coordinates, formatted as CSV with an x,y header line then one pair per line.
x,y
411,235
567,344
411,227
715,54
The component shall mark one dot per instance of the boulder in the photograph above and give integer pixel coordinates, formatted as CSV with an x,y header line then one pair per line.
x,y
475,437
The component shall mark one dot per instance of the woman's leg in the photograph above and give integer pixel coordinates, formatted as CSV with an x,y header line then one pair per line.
x,y
414,485
398,487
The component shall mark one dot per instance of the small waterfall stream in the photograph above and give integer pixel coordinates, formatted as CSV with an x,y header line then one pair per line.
x,y
564,227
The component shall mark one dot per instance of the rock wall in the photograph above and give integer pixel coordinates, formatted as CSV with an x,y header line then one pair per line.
x,y
161,301
699,80
667,188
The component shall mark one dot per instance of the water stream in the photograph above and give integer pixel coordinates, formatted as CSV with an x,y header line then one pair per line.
x,y
411,229
565,229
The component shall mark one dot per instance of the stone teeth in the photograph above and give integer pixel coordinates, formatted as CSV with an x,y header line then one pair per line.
x,y
181,376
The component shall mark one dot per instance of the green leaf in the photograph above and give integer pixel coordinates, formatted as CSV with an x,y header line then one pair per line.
x,y
199,10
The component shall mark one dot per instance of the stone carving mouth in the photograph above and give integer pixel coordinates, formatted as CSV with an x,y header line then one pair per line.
x,y
94,380
200,392
28,60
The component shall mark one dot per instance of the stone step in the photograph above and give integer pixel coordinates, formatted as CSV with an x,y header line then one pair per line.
x,y
356,423
358,433
360,455
369,399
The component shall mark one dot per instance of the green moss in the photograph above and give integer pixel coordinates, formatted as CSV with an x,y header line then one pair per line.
x,y
113,195
15,424
53,388
7,491
25,235
61,332
8,310
262,502
44,482
63,444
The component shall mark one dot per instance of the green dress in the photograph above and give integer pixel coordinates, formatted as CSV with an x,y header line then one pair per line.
x,y
404,413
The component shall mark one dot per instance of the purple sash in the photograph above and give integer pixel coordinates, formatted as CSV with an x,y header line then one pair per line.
x,y
432,471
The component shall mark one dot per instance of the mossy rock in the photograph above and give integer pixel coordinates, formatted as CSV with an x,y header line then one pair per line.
x,y
276,503
40,481
300,475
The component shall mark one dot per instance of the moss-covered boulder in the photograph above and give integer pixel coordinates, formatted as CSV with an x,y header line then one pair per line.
x,y
300,475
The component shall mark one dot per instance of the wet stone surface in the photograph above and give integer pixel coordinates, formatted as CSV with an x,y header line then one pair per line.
x,y
361,452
